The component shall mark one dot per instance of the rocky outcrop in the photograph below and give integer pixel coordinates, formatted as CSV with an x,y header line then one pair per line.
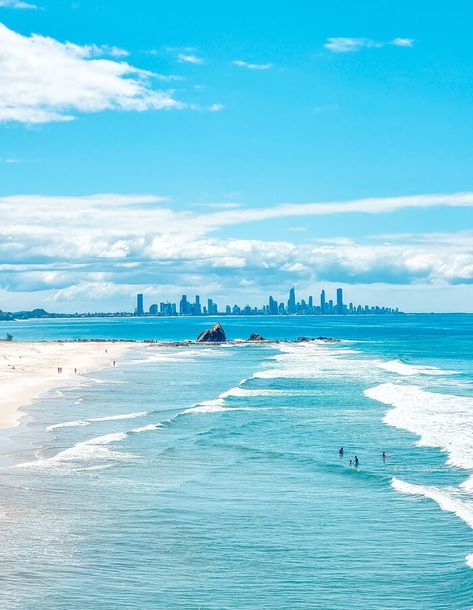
x,y
324,339
216,334
256,337
327,339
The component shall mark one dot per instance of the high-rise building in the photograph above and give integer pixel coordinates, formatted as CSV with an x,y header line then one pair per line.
x,y
184,306
153,309
339,301
291,304
272,307
139,311
322,301
196,307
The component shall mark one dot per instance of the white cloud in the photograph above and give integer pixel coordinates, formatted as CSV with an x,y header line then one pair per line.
x,y
403,42
352,45
43,80
117,242
10,160
17,4
375,205
215,107
250,66
189,58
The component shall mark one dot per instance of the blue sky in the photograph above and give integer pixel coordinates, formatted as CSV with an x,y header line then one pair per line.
x,y
181,147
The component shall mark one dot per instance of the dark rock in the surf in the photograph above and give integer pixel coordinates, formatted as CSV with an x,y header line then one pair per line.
x,y
256,337
327,339
216,334
324,339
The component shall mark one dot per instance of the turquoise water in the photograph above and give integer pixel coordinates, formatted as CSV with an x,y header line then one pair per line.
x,y
209,477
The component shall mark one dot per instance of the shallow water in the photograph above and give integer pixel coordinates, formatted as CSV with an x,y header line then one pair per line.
x,y
210,477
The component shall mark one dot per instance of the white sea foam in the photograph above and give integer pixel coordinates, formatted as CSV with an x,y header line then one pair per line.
x,y
122,416
216,406
148,428
95,449
87,422
243,392
402,368
448,498
208,406
313,360
441,420
68,424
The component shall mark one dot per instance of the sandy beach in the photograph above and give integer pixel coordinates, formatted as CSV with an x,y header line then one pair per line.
x,y
28,369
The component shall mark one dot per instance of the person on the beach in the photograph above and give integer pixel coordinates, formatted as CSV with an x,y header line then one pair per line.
x,y
341,452
113,363
357,461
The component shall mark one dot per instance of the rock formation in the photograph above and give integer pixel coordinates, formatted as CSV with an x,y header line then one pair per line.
x,y
216,334
324,339
256,337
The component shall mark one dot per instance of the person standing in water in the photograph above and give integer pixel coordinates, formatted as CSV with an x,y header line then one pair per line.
x,y
341,452
357,461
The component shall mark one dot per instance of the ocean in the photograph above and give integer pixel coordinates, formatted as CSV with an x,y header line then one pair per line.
x,y
209,477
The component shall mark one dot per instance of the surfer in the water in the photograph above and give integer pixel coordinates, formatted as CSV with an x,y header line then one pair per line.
x,y
341,452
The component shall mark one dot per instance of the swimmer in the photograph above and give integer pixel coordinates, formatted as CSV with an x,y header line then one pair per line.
x,y
341,452
357,461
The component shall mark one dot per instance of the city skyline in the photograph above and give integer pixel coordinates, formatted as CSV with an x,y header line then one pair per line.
x,y
185,307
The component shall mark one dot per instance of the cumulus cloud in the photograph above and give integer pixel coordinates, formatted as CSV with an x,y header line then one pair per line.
x,y
251,66
44,80
352,45
119,242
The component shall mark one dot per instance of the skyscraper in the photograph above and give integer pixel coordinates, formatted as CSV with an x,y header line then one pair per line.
x,y
339,301
322,301
184,306
273,306
139,311
291,304
196,307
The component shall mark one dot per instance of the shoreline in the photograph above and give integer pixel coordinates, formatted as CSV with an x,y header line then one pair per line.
x,y
29,369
